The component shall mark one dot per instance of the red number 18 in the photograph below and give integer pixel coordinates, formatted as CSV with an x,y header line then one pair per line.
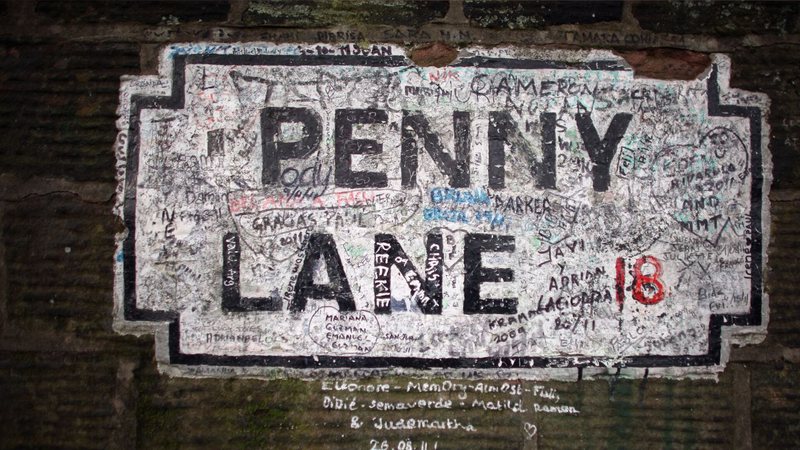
x,y
647,287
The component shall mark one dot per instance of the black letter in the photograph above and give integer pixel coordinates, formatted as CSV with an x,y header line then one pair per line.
x,y
601,153
416,126
347,146
547,177
231,296
272,151
475,274
428,293
504,130
322,246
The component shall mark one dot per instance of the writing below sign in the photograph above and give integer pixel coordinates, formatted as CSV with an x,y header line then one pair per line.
x,y
307,209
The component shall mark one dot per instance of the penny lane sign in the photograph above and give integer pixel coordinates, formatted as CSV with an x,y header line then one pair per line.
x,y
311,210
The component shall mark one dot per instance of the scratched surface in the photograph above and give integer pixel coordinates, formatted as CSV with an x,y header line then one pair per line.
x,y
303,209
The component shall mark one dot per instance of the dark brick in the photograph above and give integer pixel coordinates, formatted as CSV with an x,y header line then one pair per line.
x,y
536,14
667,413
59,254
773,70
717,17
58,108
323,13
784,323
235,413
57,400
149,12
775,396
290,413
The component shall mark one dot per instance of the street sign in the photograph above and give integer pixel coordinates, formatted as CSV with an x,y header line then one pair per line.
x,y
302,209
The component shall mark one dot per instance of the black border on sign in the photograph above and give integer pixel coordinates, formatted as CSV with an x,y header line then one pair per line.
x,y
176,101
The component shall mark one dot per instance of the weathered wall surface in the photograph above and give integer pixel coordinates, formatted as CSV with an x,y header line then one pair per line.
x,y
69,381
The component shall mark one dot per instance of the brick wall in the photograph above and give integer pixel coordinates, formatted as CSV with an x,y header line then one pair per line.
x,y
68,381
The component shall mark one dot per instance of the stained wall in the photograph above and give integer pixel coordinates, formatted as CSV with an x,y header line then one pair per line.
x,y
69,381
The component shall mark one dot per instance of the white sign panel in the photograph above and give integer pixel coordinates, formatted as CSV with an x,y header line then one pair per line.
x,y
301,209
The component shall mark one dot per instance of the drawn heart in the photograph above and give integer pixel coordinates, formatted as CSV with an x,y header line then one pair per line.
x,y
530,430
331,87
699,186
